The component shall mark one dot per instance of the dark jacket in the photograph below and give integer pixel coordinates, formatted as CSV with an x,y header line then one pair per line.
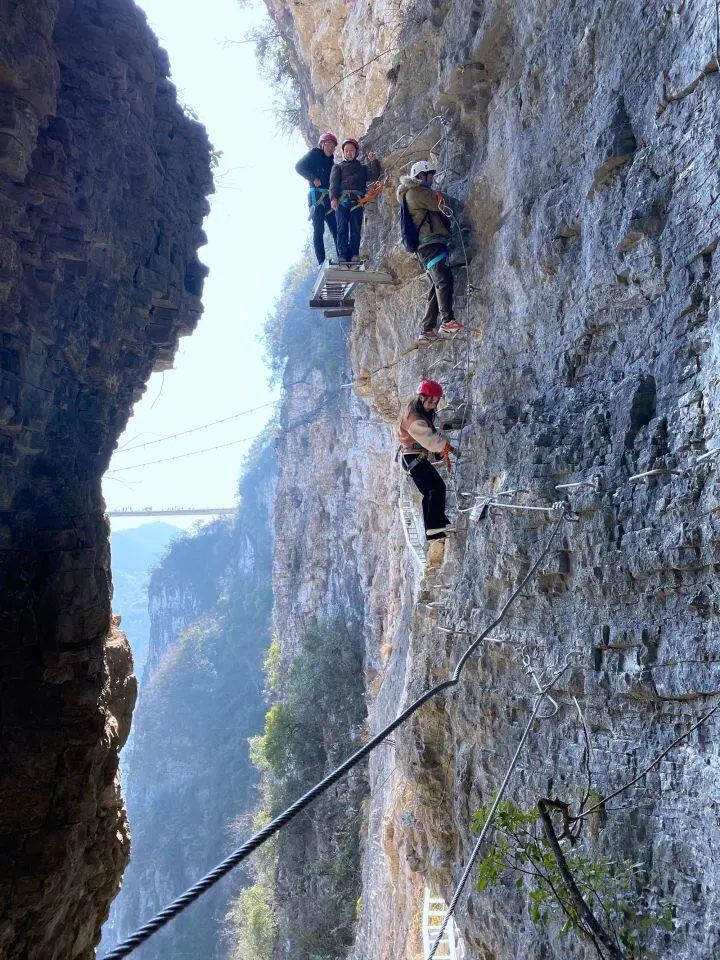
x,y
315,166
353,175
422,204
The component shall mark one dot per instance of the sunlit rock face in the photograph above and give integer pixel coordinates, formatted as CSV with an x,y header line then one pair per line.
x,y
580,151
102,196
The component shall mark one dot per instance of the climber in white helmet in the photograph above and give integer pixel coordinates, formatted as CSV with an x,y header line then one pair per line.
x,y
426,231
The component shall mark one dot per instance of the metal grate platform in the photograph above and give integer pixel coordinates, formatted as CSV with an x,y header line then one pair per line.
x,y
333,290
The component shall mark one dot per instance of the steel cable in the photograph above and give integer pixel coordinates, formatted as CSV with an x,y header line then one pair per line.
x,y
177,906
491,814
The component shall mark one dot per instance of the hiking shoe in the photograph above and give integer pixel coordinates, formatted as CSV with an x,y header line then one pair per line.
x,y
451,326
428,336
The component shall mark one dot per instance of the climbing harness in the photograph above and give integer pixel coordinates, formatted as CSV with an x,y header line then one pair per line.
x,y
350,195
436,260
317,197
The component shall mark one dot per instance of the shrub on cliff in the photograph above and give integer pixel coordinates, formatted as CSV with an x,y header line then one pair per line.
x,y
312,725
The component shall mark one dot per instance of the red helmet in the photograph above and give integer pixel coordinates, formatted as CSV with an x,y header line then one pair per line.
x,y
353,142
430,388
328,137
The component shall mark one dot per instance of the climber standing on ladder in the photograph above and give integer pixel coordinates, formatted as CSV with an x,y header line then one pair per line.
x,y
426,231
315,167
348,184
419,439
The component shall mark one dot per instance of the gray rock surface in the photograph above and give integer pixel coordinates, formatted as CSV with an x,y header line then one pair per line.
x,y
581,153
102,197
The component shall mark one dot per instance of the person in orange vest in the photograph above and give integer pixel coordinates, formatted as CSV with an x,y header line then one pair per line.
x,y
420,440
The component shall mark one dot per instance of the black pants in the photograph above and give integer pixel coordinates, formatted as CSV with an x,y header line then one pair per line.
x,y
432,487
320,216
349,230
440,290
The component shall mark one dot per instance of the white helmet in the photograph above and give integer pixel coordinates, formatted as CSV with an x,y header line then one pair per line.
x,y
422,166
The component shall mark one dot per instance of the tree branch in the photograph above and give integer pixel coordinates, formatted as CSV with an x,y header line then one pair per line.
x,y
576,898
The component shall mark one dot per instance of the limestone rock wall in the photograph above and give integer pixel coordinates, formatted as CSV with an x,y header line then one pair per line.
x,y
102,197
579,152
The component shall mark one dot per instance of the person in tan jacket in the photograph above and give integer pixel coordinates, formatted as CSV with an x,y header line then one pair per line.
x,y
419,438
434,236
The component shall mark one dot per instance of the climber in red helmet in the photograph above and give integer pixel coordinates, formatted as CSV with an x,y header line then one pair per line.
x,y
419,440
348,182
315,167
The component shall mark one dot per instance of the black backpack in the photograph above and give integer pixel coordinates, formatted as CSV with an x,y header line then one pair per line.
x,y
409,233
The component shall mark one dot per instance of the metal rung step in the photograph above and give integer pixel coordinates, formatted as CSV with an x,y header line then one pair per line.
x,y
334,285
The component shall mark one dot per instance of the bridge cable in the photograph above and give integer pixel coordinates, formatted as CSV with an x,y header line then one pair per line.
x,y
177,906
202,426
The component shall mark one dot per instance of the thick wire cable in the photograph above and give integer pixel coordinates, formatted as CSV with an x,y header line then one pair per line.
x,y
200,427
491,813
177,906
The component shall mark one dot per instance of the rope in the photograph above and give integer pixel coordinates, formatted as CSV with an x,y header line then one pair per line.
x,y
611,796
276,432
491,814
202,426
177,906
182,456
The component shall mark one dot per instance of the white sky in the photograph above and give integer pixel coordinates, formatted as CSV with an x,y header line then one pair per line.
x,y
256,230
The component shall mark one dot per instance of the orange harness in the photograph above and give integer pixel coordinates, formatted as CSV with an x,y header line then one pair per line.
x,y
373,193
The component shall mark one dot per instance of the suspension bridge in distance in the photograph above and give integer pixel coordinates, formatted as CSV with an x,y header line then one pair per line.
x,y
172,512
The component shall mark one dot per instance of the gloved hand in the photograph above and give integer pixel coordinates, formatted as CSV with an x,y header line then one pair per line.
x,y
447,450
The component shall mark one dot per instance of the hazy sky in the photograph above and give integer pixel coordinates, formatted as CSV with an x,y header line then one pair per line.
x,y
256,230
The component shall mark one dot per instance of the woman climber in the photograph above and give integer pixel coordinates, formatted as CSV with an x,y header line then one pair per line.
x,y
433,234
315,167
419,438
348,184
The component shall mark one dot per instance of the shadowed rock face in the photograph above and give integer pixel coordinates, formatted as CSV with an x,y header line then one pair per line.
x,y
581,150
102,196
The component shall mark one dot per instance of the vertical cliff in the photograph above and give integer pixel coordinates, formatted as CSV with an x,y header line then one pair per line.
x,y
187,776
102,197
578,146
326,545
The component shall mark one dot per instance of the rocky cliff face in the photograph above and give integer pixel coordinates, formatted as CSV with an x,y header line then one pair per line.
x,y
579,150
102,196
187,776
328,588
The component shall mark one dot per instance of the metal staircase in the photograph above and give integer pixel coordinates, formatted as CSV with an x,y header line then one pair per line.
x,y
434,910
333,290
